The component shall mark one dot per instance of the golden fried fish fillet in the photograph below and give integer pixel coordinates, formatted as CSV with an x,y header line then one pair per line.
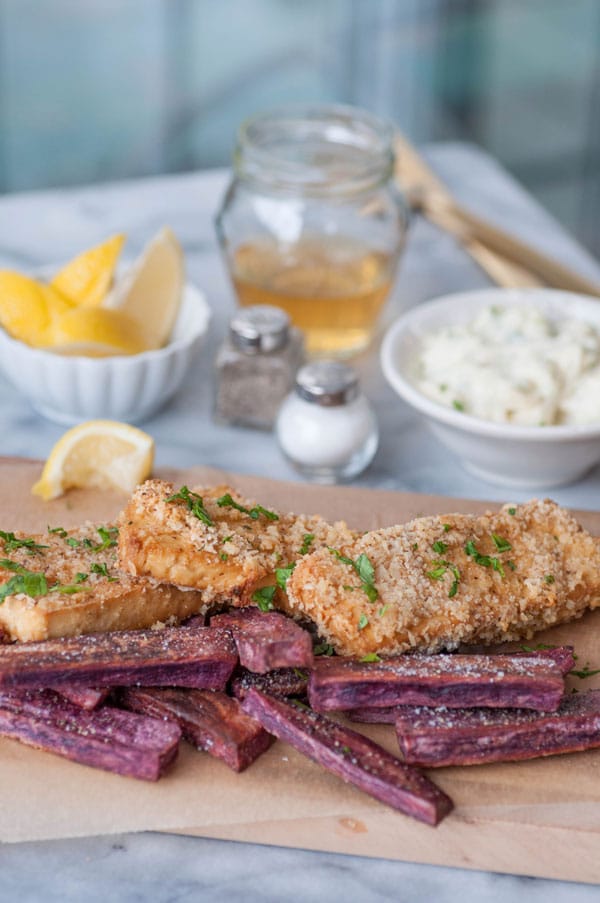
x,y
214,540
438,582
65,583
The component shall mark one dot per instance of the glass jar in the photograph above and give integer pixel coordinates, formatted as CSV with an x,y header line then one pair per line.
x,y
313,223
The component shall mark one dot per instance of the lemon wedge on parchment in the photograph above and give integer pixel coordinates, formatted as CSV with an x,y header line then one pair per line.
x,y
150,292
103,454
86,279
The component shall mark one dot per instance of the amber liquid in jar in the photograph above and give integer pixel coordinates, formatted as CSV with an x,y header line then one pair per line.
x,y
333,288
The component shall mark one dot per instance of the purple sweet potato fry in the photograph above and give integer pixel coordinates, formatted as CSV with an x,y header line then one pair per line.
x,y
281,682
385,714
209,720
456,681
350,756
177,656
267,640
85,697
108,738
437,737
564,656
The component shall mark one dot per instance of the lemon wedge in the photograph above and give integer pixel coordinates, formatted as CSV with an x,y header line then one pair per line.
x,y
151,291
86,279
104,454
28,309
96,332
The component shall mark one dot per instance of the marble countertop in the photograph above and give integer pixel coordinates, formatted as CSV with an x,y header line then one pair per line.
x,y
43,228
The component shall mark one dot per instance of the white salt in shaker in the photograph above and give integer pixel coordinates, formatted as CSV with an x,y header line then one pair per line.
x,y
326,427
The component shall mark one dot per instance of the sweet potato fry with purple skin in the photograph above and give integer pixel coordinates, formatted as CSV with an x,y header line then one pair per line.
x,y
209,720
350,756
176,656
282,682
108,738
562,655
267,640
438,737
85,697
456,681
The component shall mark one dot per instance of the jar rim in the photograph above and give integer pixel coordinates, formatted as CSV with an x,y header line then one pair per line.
x,y
315,149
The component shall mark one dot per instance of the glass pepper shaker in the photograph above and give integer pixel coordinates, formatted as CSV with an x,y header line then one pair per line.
x,y
255,366
326,427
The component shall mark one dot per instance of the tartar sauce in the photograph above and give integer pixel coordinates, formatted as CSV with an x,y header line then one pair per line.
x,y
515,365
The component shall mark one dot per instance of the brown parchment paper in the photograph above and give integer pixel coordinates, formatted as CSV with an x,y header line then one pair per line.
x,y
536,818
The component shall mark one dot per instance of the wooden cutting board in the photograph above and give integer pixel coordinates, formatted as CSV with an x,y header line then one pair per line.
x,y
537,818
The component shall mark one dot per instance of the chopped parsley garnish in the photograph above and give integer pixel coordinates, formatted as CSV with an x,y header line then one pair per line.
x,y
585,673
382,611
34,584
223,556
365,571
512,565
12,542
307,541
439,570
415,546
301,675
362,621
30,584
108,535
538,647
323,649
282,575
549,578
71,541
348,588
227,501
458,405
439,547
447,527
512,511
103,570
370,657
264,597
486,561
346,750
60,531
194,502
68,589
501,544
227,539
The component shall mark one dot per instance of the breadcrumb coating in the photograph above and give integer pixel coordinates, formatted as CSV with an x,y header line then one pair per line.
x,y
227,554
85,590
452,579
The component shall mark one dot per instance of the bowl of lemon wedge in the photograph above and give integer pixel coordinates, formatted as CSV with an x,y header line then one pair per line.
x,y
96,340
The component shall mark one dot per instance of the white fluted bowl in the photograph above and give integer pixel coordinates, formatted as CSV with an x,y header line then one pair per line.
x,y
69,389
526,457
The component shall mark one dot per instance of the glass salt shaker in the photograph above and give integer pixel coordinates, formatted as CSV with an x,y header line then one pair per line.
x,y
326,426
255,366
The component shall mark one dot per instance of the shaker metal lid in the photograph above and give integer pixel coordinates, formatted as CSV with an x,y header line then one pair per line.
x,y
259,328
328,383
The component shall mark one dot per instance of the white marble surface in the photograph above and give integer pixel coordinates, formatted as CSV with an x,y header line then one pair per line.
x,y
43,228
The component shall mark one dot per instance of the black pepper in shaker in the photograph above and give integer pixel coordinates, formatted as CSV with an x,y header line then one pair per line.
x,y
256,366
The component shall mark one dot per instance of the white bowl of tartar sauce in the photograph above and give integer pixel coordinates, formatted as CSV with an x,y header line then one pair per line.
x,y
509,380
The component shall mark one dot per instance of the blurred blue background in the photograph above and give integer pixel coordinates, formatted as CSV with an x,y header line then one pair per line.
x,y
94,90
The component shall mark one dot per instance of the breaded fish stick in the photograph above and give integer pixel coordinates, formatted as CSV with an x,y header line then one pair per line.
x,y
214,540
438,582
